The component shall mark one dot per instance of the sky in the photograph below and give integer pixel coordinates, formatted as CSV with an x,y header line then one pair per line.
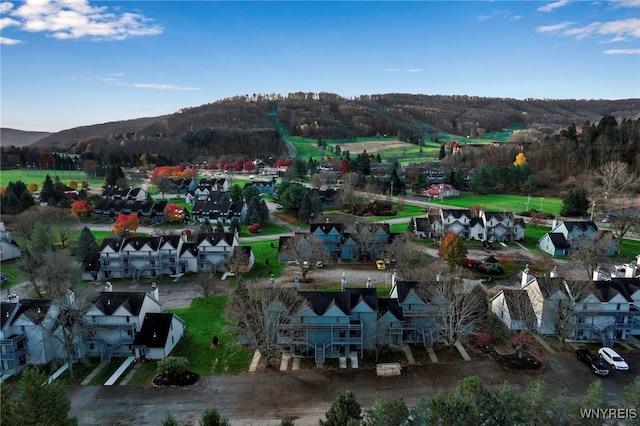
x,y
70,63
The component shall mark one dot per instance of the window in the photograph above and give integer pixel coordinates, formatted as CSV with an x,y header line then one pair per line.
x,y
128,318
618,307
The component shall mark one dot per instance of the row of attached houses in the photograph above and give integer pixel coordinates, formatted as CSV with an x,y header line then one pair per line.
x,y
213,210
149,210
139,257
116,324
488,226
566,236
335,324
605,309
130,194
440,191
368,241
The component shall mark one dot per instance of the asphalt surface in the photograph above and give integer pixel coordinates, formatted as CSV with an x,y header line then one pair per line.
x,y
265,398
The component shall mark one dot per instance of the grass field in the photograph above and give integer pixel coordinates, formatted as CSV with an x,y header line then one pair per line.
x,y
37,176
205,320
502,202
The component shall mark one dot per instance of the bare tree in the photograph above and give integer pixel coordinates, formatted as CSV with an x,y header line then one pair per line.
x,y
262,314
590,252
565,307
522,306
412,264
305,250
623,220
56,270
74,325
63,223
456,308
239,260
207,285
615,178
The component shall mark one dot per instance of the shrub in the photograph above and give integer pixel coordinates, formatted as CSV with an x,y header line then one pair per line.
x,y
482,338
254,229
172,366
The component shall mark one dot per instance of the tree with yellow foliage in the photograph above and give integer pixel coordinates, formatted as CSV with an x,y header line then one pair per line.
x,y
521,160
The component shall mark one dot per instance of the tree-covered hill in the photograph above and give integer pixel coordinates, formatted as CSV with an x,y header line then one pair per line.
x,y
254,124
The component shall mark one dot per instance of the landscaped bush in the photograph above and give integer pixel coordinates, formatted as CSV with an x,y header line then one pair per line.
x,y
254,229
482,338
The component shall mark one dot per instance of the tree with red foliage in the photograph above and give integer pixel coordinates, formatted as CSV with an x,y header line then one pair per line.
x,y
249,165
344,167
254,229
238,165
174,212
452,249
125,224
82,208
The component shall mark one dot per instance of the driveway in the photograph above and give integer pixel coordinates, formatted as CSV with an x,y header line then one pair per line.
x,y
268,396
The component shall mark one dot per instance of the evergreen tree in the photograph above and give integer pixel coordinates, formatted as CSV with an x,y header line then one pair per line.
x,y
87,244
387,413
16,198
575,203
344,410
211,417
48,191
39,402
234,225
235,193
443,152
305,212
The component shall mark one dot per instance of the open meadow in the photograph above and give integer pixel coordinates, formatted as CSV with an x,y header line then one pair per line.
x,y
38,176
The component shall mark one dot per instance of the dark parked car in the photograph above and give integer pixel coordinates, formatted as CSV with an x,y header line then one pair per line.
x,y
3,278
593,361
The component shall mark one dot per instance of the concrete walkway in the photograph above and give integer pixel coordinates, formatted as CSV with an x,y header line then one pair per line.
x,y
544,344
407,351
462,350
432,355
255,361
94,373
130,373
120,371
284,362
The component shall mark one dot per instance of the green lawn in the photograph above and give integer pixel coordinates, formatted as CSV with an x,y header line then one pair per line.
x,y
265,252
204,321
501,202
268,228
37,176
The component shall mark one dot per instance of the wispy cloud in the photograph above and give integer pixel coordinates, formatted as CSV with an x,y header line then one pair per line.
x,y
392,70
621,30
625,3
553,5
414,70
9,41
499,14
153,86
622,52
77,19
554,28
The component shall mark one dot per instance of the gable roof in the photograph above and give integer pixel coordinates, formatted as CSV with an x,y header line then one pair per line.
x,y
612,287
582,225
519,304
390,305
34,309
558,240
8,310
154,331
109,301
321,301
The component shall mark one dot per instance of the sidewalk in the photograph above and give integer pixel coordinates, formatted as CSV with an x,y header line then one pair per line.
x,y
94,373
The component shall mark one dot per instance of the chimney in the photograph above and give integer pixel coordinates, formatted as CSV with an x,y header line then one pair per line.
x,y
554,272
71,297
12,298
108,287
394,291
368,282
296,285
155,293
597,274
439,277
526,278
344,282
554,224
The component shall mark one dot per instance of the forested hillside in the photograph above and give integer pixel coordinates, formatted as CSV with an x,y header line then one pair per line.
x,y
254,125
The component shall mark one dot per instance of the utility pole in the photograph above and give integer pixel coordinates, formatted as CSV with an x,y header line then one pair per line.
x,y
593,207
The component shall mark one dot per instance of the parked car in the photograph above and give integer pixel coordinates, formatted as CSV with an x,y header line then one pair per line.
x,y
612,358
3,278
593,361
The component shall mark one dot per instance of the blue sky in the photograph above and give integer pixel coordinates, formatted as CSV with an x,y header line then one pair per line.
x,y
70,63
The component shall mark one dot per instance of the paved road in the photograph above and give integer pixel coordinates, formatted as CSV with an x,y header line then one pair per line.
x,y
268,396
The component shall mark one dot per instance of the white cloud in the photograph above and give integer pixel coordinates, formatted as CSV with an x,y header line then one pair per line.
x,y
75,19
622,52
551,6
9,41
392,70
5,6
625,3
499,14
112,79
7,22
554,28
622,28
414,70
